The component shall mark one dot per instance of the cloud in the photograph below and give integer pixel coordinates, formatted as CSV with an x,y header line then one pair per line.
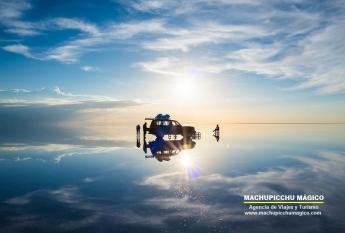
x,y
217,196
88,180
19,49
211,200
305,50
278,40
207,32
20,90
130,29
51,114
65,194
163,65
89,68
11,12
58,147
71,50
58,91
67,23
21,200
315,170
180,7
66,54
88,151
162,183
13,9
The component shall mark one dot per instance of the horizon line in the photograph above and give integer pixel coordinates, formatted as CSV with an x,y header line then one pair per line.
x,y
277,123
289,123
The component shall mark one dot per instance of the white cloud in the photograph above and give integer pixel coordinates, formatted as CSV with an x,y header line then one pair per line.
x,y
130,29
165,180
58,91
88,180
66,53
19,49
85,151
13,8
65,194
55,97
89,68
21,200
211,200
67,23
271,41
20,90
70,51
15,147
163,65
180,7
207,32
19,159
11,12
305,179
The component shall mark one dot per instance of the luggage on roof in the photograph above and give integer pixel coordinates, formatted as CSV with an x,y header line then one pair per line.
x,y
162,117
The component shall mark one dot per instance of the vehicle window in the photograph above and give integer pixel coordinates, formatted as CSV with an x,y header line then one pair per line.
x,y
177,123
158,123
166,123
173,123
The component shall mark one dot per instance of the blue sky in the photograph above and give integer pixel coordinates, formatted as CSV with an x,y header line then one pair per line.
x,y
283,59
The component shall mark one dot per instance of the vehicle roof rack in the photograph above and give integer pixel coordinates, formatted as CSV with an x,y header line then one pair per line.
x,y
154,119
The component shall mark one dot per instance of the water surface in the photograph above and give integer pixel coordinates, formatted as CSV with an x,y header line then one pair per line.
x,y
102,184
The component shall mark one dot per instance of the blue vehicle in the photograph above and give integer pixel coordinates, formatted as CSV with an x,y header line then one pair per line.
x,y
162,125
163,150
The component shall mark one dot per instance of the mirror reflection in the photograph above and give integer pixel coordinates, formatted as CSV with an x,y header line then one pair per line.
x,y
170,137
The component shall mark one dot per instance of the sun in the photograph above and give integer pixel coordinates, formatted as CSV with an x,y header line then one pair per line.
x,y
185,87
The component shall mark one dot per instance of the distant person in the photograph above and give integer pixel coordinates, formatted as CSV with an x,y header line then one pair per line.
x,y
216,130
138,135
144,129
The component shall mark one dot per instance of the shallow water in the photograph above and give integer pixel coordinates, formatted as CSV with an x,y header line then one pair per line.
x,y
107,185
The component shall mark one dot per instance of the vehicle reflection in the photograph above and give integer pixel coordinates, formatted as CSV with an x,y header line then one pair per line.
x,y
163,127
163,150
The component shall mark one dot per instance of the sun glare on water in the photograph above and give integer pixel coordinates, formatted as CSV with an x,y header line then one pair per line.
x,y
185,160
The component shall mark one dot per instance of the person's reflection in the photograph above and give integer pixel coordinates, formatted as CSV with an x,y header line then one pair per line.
x,y
163,150
138,136
216,133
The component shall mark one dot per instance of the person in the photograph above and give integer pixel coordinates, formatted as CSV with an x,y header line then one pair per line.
x,y
138,135
216,130
144,129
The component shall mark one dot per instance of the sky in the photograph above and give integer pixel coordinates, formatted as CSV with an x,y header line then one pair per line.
x,y
107,62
